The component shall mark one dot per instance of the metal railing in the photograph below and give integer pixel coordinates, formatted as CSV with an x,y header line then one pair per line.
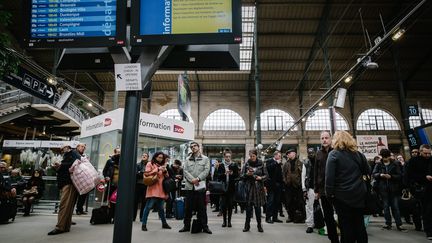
x,y
16,97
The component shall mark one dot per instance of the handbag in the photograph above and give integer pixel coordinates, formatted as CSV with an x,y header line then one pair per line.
x,y
217,187
113,197
318,215
169,185
196,226
372,202
240,194
31,192
150,180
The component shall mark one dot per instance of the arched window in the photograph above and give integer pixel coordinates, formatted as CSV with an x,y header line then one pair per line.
x,y
414,121
275,120
320,120
172,114
224,119
376,119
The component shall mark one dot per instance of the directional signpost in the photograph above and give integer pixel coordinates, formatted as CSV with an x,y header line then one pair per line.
x,y
128,76
32,84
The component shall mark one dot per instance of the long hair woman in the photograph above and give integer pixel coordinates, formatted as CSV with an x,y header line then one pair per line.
x,y
253,174
155,193
345,186
34,190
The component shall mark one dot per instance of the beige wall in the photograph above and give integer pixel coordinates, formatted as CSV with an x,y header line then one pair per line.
x,y
287,101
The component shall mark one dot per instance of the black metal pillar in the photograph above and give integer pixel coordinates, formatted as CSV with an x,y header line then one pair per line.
x,y
257,80
401,89
150,59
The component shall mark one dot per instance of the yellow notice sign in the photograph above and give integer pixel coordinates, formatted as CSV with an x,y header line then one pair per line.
x,y
201,16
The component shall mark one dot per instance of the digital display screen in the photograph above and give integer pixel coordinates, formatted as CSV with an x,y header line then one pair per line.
x,y
63,23
186,22
425,133
185,17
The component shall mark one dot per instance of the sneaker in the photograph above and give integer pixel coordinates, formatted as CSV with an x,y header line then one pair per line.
x,y
401,229
429,237
387,227
309,230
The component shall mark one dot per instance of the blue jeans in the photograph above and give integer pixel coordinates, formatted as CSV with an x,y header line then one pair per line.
x,y
149,205
391,201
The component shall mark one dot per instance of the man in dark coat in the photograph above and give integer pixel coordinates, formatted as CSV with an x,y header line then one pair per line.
x,y
274,184
68,193
319,183
291,173
420,177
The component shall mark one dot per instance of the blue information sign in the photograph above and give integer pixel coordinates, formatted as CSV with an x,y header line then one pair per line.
x,y
67,23
72,18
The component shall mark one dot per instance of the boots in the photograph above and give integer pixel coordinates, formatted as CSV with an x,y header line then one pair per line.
x,y
224,224
144,227
247,225
229,219
260,229
165,226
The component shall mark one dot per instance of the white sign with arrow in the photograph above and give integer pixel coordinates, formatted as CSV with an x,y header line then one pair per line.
x,y
128,76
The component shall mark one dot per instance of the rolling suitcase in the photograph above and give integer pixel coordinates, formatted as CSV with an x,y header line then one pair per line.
x,y
179,207
101,215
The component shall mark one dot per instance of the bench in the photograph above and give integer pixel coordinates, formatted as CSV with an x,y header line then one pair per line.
x,y
46,205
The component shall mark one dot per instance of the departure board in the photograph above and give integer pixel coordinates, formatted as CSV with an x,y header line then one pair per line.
x,y
63,23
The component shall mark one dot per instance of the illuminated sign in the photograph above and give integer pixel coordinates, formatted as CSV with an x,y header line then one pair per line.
x,y
186,22
65,23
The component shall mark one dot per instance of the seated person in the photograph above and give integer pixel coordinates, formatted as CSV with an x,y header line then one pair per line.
x,y
6,190
34,190
17,181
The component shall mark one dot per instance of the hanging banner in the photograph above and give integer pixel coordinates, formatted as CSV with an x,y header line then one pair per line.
x,y
371,145
184,98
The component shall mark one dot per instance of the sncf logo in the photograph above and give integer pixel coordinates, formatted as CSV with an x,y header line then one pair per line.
x,y
178,129
107,122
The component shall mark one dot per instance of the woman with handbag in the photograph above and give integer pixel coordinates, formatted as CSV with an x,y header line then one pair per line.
x,y
346,188
155,194
388,177
253,174
227,173
34,190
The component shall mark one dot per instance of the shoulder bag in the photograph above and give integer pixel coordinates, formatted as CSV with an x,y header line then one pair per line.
x,y
372,202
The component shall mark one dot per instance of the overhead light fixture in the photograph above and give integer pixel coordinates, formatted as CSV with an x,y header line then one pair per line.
x,y
303,119
398,34
89,104
43,131
52,80
348,79
321,103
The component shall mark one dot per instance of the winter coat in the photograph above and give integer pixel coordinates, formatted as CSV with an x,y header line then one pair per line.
x,y
292,177
319,170
156,190
195,168
221,176
255,188
63,175
274,172
344,177
391,185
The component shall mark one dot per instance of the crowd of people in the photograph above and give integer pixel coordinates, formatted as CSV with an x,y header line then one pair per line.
x,y
334,179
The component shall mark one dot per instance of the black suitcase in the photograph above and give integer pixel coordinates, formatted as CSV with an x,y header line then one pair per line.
x,y
101,215
8,210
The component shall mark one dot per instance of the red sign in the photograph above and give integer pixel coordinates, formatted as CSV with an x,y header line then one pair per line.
x,y
100,187
107,122
178,129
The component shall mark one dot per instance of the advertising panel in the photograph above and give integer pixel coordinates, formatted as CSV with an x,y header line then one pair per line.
x,y
371,145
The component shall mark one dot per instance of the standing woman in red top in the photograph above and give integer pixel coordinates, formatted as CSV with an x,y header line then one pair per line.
x,y
155,193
